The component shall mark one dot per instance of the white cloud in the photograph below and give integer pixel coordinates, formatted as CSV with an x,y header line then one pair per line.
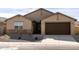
x,y
6,15
13,13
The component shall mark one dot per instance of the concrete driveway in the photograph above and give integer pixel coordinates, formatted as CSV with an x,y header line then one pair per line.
x,y
61,37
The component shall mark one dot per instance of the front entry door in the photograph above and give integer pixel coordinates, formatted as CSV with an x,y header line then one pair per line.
x,y
36,27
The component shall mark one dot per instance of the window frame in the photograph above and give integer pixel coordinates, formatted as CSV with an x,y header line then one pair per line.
x,y
17,25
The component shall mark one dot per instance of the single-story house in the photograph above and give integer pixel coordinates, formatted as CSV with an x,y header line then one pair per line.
x,y
42,22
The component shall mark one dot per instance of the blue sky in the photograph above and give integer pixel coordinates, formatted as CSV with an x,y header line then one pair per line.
x,y
9,12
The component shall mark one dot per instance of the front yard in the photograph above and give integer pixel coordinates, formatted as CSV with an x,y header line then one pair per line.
x,y
46,44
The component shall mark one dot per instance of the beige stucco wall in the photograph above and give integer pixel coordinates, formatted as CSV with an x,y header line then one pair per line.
x,y
27,24
57,18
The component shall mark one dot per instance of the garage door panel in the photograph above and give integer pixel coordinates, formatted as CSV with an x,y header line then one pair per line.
x,y
57,28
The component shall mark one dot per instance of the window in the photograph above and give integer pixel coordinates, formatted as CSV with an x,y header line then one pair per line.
x,y
18,25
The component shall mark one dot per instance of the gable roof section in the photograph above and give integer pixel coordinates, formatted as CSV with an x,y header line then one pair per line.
x,y
63,15
38,10
14,17
66,16
40,13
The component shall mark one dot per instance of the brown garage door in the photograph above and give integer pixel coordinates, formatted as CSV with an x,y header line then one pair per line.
x,y
59,28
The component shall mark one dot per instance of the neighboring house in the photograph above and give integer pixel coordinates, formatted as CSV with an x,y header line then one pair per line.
x,y
41,22
2,25
77,24
2,28
77,27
